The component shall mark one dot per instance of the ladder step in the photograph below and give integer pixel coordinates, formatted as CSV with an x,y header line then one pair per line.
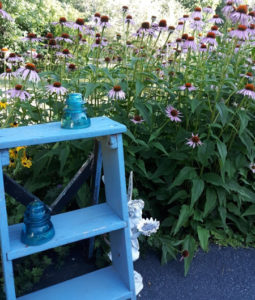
x,y
69,227
104,284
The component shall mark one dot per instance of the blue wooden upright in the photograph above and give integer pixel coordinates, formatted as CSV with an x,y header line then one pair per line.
x,y
110,283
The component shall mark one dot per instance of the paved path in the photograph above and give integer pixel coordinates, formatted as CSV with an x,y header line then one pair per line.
x,y
221,274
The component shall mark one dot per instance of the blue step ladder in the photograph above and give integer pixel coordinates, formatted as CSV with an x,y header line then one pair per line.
x,y
110,283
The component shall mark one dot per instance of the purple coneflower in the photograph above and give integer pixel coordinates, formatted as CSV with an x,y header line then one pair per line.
x,y
197,24
240,15
8,74
39,56
194,141
228,9
162,25
53,44
251,15
65,53
56,88
187,86
203,48
96,18
248,91
184,18
251,29
83,42
4,14
18,92
104,21
31,37
129,45
216,20
171,29
237,48
210,39
49,36
173,114
29,73
62,21
185,254
116,93
124,9
90,30
248,75
208,10
241,32
129,20
137,119
64,37
79,24
179,26
14,58
145,28
197,13
190,43
215,29
99,43
71,67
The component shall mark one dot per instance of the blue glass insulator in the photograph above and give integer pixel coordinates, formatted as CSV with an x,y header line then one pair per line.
x,y
75,116
37,229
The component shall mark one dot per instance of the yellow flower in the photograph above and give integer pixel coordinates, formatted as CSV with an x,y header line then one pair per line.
x,y
27,163
3,105
14,124
4,49
12,163
20,148
12,153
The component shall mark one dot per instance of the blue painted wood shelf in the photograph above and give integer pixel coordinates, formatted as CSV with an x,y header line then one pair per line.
x,y
111,283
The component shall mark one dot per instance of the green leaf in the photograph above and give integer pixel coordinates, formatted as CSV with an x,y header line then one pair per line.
x,y
223,111
90,87
196,191
223,214
183,217
211,201
182,194
203,236
213,178
244,120
222,151
141,165
63,157
155,134
190,245
167,250
160,147
249,211
185,174
194,104
139,86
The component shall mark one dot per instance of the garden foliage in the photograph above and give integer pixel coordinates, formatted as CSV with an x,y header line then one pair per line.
x,y
185,93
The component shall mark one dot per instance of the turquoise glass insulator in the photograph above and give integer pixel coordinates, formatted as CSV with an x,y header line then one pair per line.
x,y
75,116
37,228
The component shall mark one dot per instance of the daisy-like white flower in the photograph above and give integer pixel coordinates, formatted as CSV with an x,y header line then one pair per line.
x,y
64,37
116,93
184,18
252,167
248,91
65,53
8,74
56,88
18,92
190,43
210,39
228,9
194,141
208,10
96,18
104,21
173,114
180,25
241,32
240,15
137,119
216,20
248,75
31,37
62,22
14,58
29,73
4,14
148,226
215,29
197,13
187,86
129,20
197,24
79,24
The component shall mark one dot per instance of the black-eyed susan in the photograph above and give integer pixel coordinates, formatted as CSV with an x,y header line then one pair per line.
x,y
27,163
